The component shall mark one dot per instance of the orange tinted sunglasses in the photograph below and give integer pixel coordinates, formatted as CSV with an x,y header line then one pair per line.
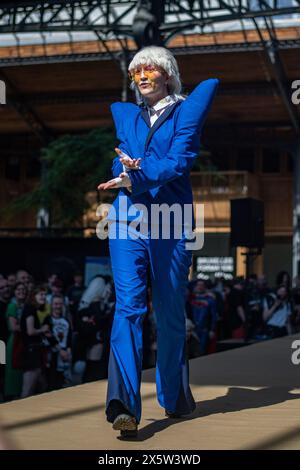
x,y
149,71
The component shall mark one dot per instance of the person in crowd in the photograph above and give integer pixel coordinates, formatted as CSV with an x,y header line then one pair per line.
x,y
262,285
225,319
192,339
277,313
219,285
60,340
51,278
22,276
237,314
283,278
254,307
216,288
13,375
95,324
74,295
94,291
204,314
43,308
57,289
4,300
33,358
30,286
99,290
12,280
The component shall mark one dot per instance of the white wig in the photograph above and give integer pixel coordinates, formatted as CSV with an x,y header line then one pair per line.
x,y
161,57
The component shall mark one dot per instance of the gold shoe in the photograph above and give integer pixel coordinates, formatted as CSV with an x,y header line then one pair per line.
x,y
126,424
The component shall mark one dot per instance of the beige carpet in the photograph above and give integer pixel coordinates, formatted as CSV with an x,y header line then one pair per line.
x,y
247,398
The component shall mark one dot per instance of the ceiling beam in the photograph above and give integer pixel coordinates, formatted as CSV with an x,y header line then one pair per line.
x,y
113,17
20,104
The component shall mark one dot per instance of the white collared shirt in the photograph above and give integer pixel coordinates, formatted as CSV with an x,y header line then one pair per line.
x,y
159,107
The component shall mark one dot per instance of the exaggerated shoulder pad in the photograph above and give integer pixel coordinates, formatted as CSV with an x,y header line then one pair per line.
x,y
195,107
123,113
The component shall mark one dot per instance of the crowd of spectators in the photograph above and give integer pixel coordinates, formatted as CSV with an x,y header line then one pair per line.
x,y
58,335
241,310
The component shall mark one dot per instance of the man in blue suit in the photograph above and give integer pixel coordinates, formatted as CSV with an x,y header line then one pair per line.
x,y
159,141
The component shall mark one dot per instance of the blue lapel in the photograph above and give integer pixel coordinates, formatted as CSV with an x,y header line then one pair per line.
x,y
158,122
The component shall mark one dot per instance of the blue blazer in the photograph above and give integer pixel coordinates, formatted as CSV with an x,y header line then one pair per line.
x,y
167,150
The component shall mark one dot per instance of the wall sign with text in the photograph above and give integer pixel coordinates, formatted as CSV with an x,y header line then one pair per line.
x,y
215,266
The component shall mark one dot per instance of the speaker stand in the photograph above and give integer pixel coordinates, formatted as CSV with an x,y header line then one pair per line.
x,y
251,256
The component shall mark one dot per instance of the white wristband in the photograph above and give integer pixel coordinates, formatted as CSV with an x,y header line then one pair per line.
x,y
124,182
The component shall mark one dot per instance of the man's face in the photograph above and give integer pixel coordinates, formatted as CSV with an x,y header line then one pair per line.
x,y
23,276
200,286
150,80
21,292
4,290
57,306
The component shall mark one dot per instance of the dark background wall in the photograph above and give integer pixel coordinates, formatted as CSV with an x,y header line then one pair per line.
x,y
42,256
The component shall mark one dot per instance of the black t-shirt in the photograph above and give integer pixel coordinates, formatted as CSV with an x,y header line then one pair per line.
x,y
32,358
29,311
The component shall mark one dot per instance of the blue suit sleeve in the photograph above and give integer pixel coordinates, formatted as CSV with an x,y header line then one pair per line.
x,y
185,146
119,110
117,166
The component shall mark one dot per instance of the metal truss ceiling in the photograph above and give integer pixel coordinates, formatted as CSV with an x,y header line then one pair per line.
x,y
113,17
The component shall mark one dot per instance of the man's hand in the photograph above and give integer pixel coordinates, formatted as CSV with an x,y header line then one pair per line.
x,y
130,163
111,184
122,181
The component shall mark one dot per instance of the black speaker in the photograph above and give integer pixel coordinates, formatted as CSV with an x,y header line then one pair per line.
x,y
247,222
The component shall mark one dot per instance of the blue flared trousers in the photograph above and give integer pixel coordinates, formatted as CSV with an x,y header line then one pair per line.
x,y
169,263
